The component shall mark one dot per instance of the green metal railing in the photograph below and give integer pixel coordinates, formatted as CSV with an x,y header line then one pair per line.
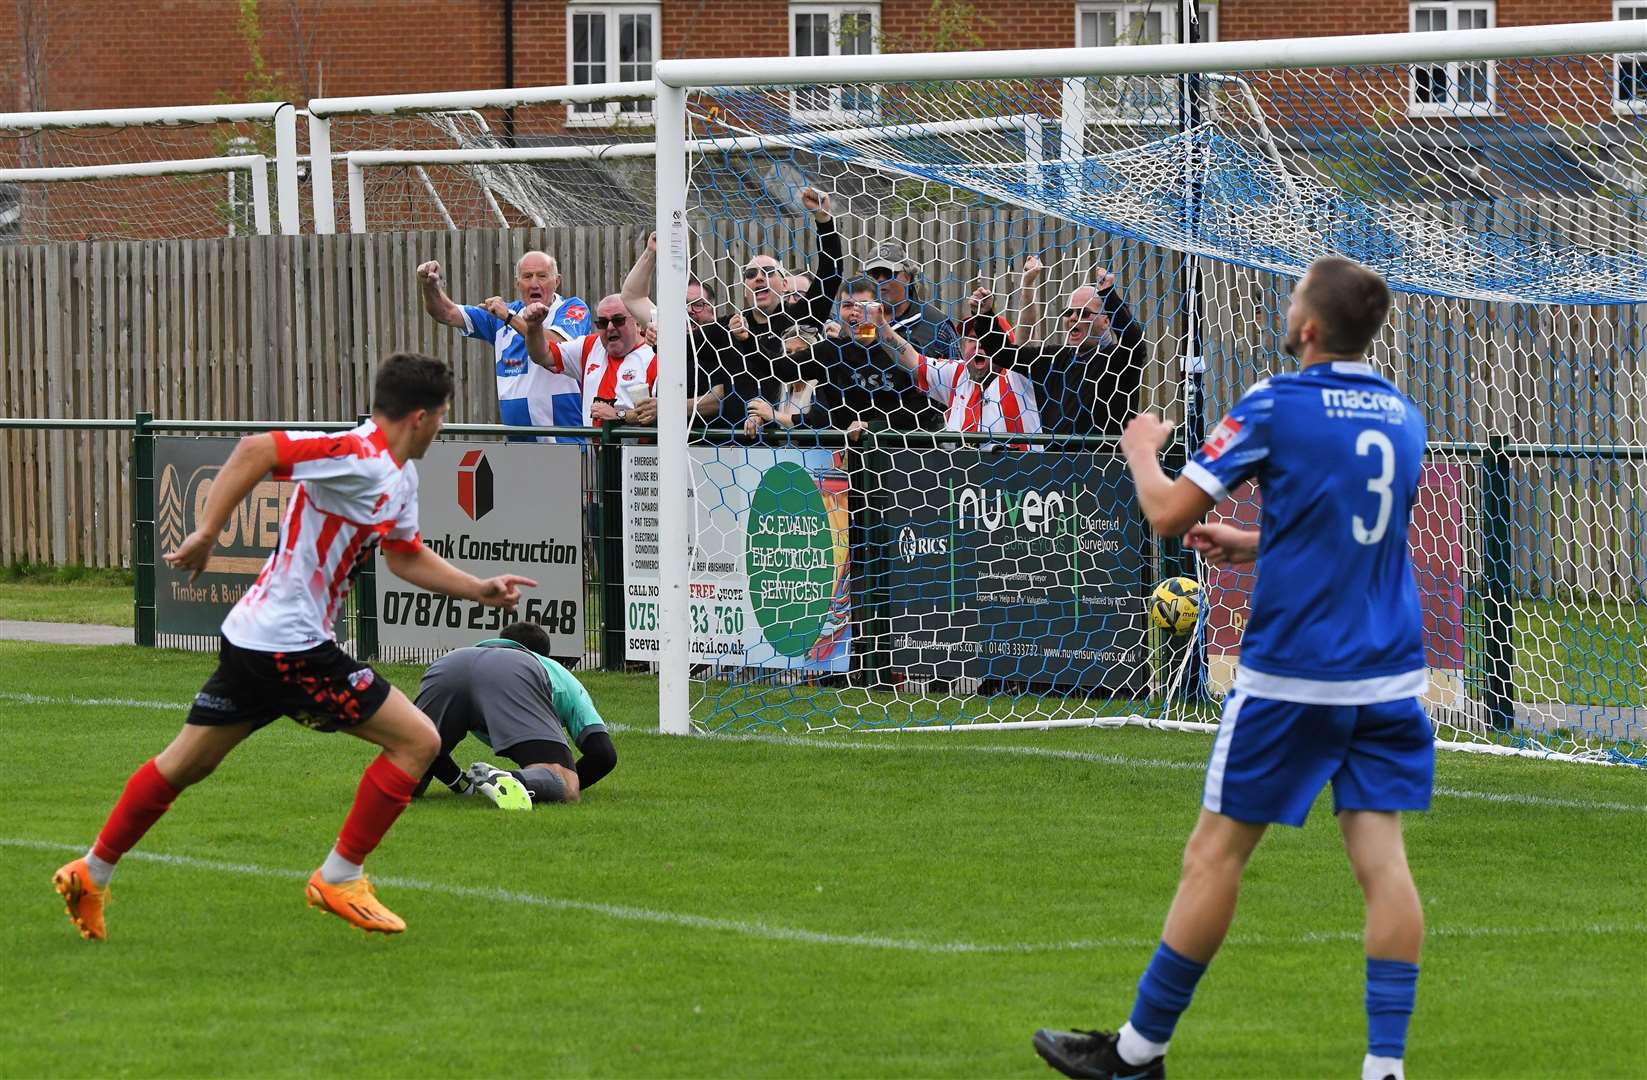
x,y
1494,460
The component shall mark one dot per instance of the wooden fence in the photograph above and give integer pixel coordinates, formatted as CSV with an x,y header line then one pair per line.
x,y
291,328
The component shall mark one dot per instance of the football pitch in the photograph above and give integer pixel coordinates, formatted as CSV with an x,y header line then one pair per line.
x,y
850,905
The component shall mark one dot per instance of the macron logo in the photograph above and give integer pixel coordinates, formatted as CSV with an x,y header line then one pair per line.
x,y
1362,403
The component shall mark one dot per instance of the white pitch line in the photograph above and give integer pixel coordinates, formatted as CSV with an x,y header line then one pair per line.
x,y
129,703
836,742
800,936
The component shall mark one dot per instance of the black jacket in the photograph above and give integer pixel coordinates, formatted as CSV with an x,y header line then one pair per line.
x,y
762,365
858,382
1090,391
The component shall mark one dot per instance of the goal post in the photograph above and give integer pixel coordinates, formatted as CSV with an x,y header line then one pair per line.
x,y
103,151
1497,178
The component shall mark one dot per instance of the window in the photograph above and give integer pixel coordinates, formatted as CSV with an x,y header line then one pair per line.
x,y
610,43
1136,99
834,30
1455,88
1630,70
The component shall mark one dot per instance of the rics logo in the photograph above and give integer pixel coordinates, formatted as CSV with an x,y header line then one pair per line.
x,y
912,546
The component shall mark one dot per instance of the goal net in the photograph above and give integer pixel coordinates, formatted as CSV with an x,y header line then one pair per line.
x,y
550,157
908,577
191,172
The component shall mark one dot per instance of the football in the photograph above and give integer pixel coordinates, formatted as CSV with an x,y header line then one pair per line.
x,y
1174,605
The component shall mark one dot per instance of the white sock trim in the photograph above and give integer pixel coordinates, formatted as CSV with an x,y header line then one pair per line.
x,y
336,869
1135,1049
1377,1068
99,870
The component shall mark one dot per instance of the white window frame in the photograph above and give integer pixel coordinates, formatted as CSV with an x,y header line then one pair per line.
x,y
1452,106
1101,90
1622,106
613,115
836,112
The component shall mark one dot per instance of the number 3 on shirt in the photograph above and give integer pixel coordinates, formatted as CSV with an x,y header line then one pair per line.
x,y
1379,485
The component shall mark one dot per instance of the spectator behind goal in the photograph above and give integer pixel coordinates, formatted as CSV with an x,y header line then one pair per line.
x,y
709,387
896,277
528,395
976,392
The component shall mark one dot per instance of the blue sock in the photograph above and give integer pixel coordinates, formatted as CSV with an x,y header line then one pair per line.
x,y
1164,993
1391,987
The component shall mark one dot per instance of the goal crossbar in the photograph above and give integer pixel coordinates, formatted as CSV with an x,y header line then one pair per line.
x,y
1347,51
255,166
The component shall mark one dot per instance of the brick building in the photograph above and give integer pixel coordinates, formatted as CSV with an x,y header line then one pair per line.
x,y
72,55
167,52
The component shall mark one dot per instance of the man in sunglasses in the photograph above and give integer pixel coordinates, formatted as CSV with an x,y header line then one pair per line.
x,y
615,366
773,335
1088,382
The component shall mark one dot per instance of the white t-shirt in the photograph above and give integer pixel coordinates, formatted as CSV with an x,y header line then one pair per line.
x,y
1007,404
351,494
626,382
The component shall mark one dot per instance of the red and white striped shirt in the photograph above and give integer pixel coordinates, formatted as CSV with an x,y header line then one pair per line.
x,y
1006,404
351,494
626,381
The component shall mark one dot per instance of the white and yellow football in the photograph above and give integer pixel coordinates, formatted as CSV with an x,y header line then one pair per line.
x,y
1174,605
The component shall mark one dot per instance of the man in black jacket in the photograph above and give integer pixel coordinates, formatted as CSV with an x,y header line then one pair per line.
x,y
776,328
1088,384
860,384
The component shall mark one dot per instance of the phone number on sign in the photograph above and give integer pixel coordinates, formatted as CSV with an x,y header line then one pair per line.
x,y
724,619
408,608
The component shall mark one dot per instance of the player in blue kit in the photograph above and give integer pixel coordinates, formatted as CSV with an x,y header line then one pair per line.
x,y
1332,661
528,395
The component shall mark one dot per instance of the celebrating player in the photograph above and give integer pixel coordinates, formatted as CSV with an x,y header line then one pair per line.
x,y
1332,661
526,706
277,657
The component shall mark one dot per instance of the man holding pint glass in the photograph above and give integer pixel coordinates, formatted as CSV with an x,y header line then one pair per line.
x,y
860,383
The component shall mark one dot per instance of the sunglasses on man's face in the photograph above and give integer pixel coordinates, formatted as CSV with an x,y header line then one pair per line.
x,y
1078,314
750,272
603,321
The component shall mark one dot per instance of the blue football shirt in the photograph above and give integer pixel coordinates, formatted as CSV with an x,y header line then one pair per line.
x,y
1336,450
529,395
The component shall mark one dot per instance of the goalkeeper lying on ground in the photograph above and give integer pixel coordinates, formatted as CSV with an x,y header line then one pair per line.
x,y
521,703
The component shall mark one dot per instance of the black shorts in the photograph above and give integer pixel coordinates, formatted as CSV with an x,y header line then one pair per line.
x,y
323,688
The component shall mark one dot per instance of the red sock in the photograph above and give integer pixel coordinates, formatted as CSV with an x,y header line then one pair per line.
x,y
383,793
146,797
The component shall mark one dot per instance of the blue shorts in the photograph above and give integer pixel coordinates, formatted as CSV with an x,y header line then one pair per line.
x,y
1272,758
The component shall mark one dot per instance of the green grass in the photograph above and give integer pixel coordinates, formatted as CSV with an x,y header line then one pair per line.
x,y
798,853
1582,653
1592,653
66,594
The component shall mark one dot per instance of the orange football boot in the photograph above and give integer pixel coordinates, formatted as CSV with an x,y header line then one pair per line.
x,y
83,899
355,902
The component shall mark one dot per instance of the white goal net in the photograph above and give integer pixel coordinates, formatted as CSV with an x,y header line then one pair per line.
x,y
1137,235
191,172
